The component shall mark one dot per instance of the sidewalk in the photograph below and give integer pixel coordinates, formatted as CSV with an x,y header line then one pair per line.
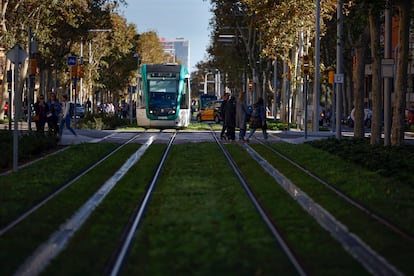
x,y
297,136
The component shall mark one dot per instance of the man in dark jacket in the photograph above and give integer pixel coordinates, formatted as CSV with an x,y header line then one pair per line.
x,y
230,118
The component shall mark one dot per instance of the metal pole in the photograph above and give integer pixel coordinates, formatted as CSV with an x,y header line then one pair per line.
x,y
387,81
339,70
275,89
81,78
30,97
316,95
16,125
205,83
306,106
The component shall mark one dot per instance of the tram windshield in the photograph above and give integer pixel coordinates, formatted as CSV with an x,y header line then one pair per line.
x,y
162,97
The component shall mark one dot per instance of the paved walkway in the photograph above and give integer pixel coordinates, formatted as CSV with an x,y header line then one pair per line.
x,y
292,136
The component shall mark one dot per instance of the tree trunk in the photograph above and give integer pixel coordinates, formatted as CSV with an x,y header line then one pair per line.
x,y
397,131
359,85
376,124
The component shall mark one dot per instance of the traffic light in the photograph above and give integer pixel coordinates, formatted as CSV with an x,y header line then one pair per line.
x,y
33,66
250,85
81,71
74,71
305,65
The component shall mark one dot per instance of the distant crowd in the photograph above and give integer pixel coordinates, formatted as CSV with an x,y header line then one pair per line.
x,y
57,114
236,114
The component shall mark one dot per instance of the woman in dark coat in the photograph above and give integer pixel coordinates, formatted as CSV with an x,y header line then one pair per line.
x,y
41,110
230,118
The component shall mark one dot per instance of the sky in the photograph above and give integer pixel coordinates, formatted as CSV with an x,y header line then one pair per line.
x,y
171,19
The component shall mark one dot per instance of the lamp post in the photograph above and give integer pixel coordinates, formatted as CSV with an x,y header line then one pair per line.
x,y
338,86
316,98
205,81
33,50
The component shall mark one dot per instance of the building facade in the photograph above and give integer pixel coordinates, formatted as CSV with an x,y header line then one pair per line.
x,y
178,49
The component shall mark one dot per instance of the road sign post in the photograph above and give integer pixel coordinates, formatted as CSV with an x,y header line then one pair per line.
x,y
17,56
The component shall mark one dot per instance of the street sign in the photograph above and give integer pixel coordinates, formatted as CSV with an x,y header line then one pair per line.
x,y
72,60
339,78
17,54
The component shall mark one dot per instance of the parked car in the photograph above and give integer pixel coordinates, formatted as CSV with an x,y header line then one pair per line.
x,y
211,112
79,110
367,118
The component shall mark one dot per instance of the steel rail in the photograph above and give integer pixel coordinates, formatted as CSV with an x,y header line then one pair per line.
x,y
24,215
47,251
120,259
268,221
370,259
344,196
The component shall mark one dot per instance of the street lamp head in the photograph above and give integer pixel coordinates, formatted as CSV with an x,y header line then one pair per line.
x,y
100,30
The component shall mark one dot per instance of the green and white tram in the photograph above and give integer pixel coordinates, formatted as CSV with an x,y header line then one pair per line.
x,y
163,99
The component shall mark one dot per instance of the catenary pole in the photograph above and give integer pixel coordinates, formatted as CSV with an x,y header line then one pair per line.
x,y
316,94
387,80
339,70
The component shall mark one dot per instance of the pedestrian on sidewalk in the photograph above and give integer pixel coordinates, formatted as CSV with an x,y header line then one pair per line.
x,y
41,110
53,116
230,118
241,115
258,119
65,116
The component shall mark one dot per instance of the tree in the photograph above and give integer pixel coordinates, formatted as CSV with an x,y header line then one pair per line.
x,y
57,25
397,132
150,48
375,9
118,65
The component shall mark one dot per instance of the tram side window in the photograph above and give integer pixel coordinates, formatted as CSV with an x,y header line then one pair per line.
x,y
140,95
185,95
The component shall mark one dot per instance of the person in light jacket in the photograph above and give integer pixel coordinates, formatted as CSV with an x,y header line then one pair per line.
x,y
258,119
65,116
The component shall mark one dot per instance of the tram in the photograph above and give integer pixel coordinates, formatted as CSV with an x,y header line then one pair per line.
x,y
163,99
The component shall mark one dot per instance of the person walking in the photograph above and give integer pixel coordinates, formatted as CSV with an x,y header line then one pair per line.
x,y
230,118
53,116
222,113
66,116
258,119
241,115
41,109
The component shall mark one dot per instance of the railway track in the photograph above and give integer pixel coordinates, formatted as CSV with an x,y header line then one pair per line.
x,y
371,260
39,259
360,206
124,247
264,214
50,249
42,202
138,215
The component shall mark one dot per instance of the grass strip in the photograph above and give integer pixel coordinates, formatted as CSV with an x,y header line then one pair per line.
x,y
28,186
201,222
90,250
24,238
386,196
351,179
318,251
